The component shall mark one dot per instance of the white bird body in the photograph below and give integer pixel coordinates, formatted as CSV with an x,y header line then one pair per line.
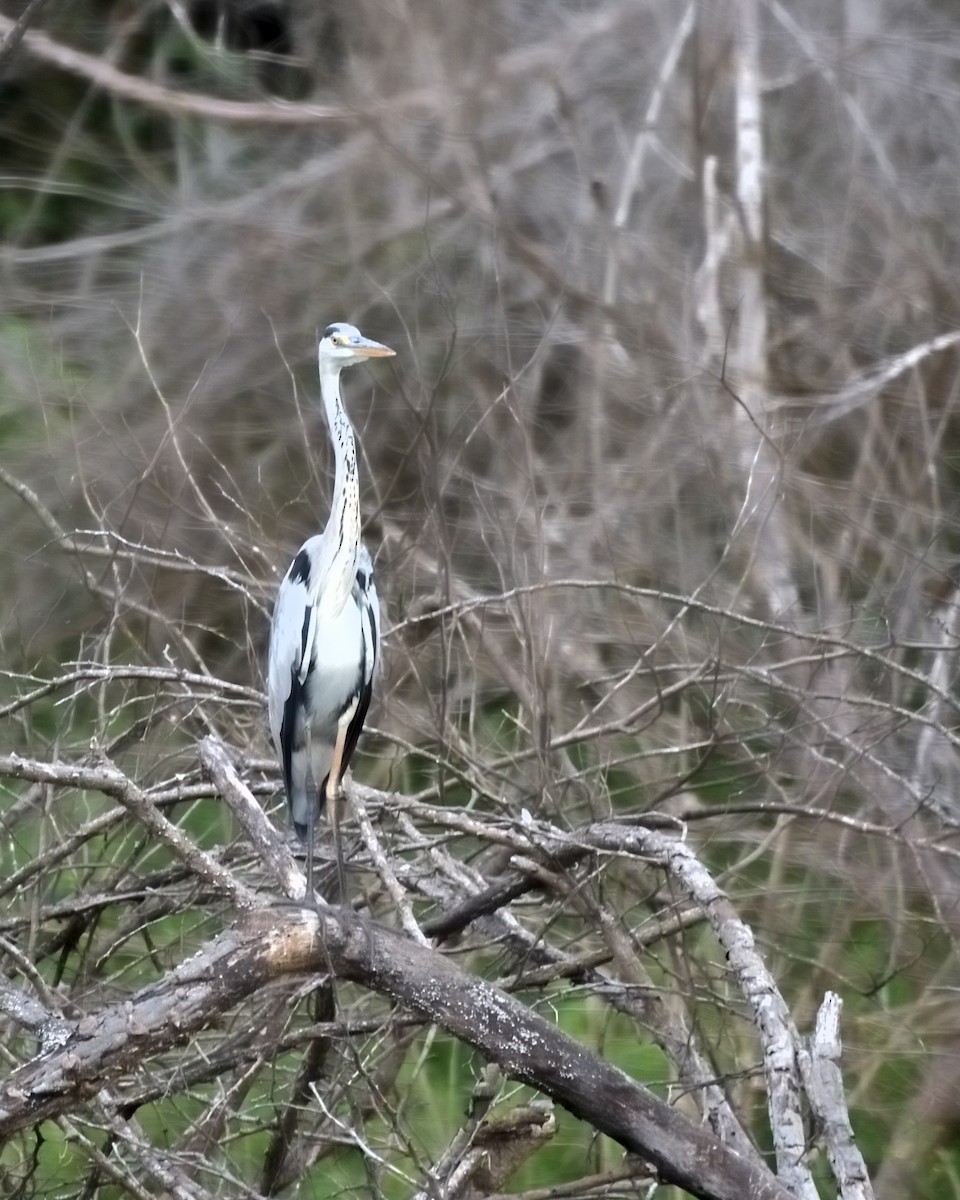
x,y
334,660
325,634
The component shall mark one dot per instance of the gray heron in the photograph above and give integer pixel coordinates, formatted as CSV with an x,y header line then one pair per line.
x,y
325,633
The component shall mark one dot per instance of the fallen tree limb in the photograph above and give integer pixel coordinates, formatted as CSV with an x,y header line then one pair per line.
x,y
272,943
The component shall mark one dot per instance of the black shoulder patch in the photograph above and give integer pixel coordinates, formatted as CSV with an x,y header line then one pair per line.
x,y
363,579
300,568
303,636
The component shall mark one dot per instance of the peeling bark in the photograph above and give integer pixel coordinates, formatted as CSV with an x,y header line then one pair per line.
x,y
273,943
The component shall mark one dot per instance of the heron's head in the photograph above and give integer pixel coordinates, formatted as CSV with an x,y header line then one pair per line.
x,y
344,345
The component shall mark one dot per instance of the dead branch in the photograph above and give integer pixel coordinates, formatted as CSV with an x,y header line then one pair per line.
x,y
105,778
272,944
819,1063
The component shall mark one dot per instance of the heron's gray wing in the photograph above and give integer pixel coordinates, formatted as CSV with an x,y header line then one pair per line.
x,y
292,634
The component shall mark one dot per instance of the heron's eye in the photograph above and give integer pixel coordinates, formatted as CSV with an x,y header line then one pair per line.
x,y
336,339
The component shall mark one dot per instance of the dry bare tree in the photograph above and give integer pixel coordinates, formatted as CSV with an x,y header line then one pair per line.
x,y
661,796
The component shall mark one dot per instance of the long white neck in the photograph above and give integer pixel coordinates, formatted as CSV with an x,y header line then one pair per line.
x,y
343,525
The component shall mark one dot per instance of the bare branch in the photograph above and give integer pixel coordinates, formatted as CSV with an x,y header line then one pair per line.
x,y
778,1035
270,945
105,778
270,847
820,1065
18,28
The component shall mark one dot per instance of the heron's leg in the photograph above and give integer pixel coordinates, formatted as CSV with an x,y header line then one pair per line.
x,y
311,895
333,797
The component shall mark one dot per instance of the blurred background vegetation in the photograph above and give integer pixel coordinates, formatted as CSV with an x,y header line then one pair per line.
x,y
539,206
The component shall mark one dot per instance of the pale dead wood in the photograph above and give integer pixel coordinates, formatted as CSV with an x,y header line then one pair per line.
x,y
760,522
819,1061
269,945
271,848
16,29
105,778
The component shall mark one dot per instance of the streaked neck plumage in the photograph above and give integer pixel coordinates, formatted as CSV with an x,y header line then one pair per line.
x,y
343,525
